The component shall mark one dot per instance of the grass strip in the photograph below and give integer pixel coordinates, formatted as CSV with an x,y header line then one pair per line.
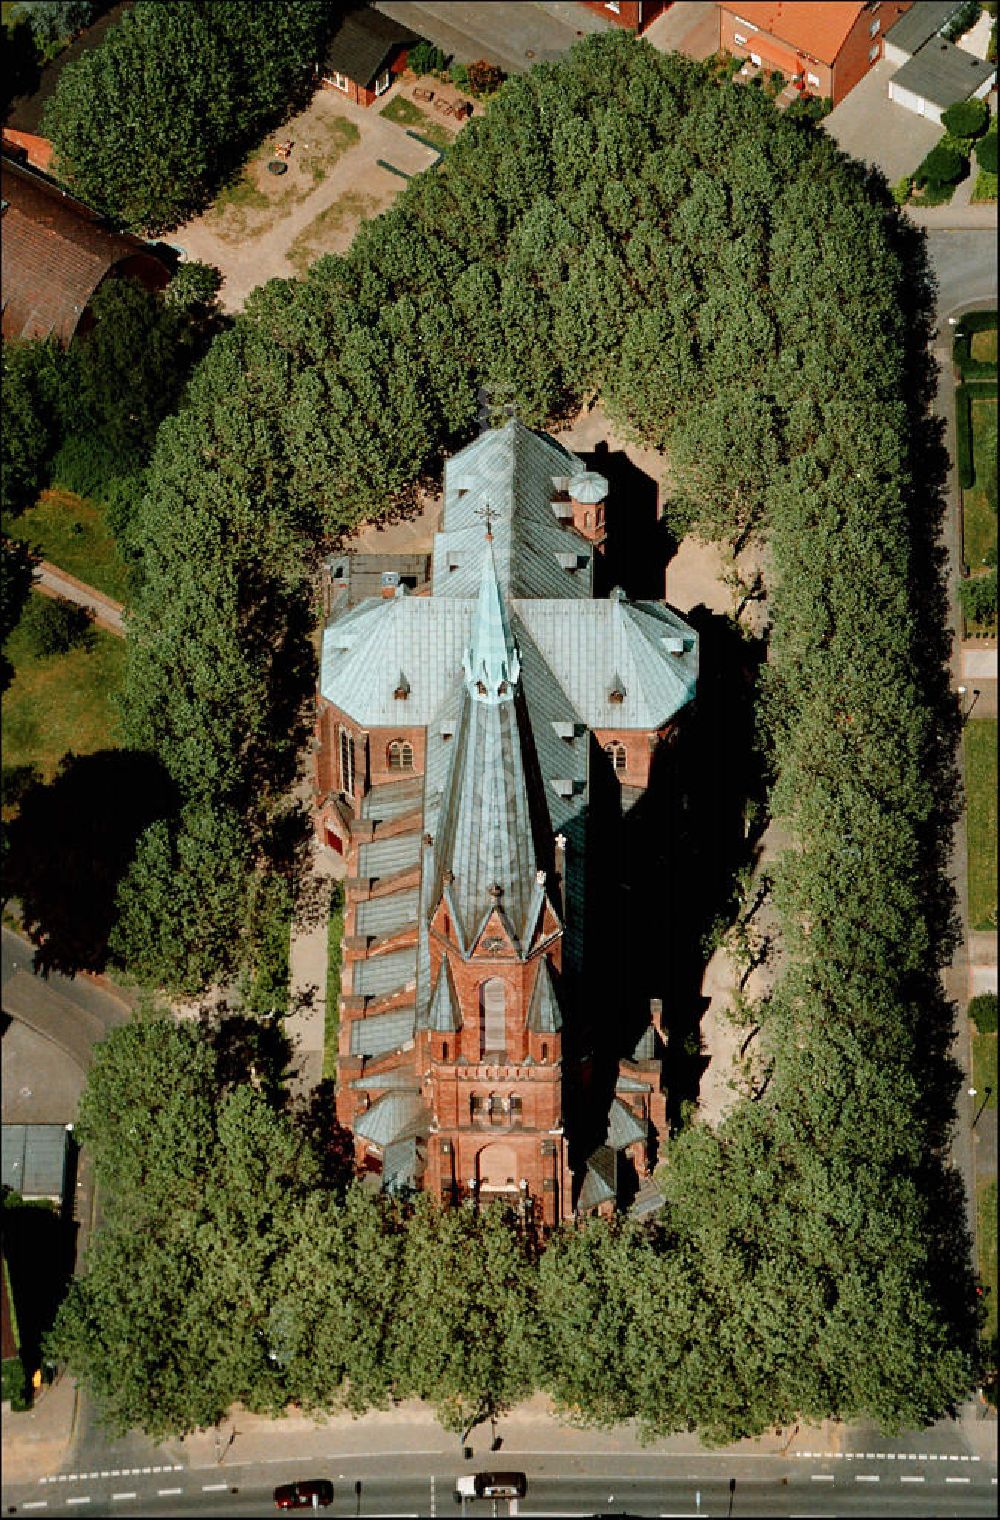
x,y
980,746
72,533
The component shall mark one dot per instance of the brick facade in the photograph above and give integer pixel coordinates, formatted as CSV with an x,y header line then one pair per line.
x,y
825,57
632,15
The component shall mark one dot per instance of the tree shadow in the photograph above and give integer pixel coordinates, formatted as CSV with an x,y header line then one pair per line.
x,y
38,1244
248,1049
315,1115
70,845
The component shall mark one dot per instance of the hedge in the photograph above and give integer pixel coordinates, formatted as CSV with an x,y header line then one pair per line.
x,y
970,368
963,438
983,1012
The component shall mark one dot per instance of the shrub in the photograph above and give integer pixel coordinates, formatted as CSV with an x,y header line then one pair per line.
x,y
901,190
485,78
978,596
15,1384
986,153
85,465
53,20
983,1012
459,75
55,626
942,166
194,286
425,58
967,118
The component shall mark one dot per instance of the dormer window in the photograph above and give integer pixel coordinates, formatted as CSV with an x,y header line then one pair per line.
x,y
400,755
502,688
616,694
481,688
616,753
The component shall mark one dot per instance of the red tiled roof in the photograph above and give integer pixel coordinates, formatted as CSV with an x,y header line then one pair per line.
x,y
54,252
7,1334
819,27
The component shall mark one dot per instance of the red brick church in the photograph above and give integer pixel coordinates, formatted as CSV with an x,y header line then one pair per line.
x,y
468,740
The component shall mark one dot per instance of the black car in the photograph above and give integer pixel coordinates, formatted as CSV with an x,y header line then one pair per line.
x,y
314,1493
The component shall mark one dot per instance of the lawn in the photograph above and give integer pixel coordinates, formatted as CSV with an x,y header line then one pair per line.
x,y
986,1212
980,743
984,346
332,1029
984,1066
72,533
405,114
319,236
61,703
979,518
256,199
984,190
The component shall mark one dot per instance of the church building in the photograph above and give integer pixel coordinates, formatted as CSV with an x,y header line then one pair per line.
x,y
471,739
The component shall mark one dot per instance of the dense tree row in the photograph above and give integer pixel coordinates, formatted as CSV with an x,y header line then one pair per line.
x,y
146,124
748,301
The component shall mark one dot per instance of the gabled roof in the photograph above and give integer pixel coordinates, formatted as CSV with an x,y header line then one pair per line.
x,y
363,42
443,1015
544,1015
943,73
920,23
393,1117
600,1184
819,27
55,252
623,1126
382,1032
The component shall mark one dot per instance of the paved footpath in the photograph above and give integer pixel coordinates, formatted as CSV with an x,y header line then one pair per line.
x,y
51,581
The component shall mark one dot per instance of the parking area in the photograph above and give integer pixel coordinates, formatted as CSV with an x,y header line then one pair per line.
x,y
870,126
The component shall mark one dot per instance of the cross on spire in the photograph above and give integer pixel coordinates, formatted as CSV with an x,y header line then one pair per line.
x,y
487,513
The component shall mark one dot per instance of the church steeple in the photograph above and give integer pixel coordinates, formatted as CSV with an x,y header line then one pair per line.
x,y
491,663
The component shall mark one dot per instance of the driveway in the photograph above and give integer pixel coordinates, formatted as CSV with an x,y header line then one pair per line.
x,y
870,126
691,28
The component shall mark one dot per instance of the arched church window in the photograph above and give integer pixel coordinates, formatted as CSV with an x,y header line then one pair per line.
x,y
346,762
615,752
493,1015
545,1051
516,1107
400,755
496,1108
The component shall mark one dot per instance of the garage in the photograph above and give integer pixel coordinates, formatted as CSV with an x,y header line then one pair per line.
x,y
939,76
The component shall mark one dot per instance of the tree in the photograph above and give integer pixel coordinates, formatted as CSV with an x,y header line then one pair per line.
x,y
33,379
53,625
978,595
145,123
986,153
941,166
425,58
983,1012
17,571
966,118
194,287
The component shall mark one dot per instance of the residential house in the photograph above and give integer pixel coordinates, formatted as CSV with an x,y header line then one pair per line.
x,y
824,49
55,253
365,54
475,748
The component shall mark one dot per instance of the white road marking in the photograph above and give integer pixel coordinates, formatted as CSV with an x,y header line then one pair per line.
x,y
36,1504
958,1480
124,1496
866,1478
909,1478
163,1492
213,1488
433,1498
83,1499
822,1477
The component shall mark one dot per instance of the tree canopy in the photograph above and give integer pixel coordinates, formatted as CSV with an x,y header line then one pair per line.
x,y
147,123
748,301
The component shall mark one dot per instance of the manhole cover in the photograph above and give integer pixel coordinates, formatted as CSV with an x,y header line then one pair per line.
x,y
277,167
25,1092
529,53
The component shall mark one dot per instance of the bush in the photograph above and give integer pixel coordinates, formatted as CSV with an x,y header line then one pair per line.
x,y
960,20
459,75
55,20
194,286
425,58
85,465
15,1384
978,596
967,118
986,153
963,438
901,190
485,78
983,1012
55,626
942,166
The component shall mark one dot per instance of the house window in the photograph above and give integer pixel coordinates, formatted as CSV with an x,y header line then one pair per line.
x,y
615,752
400,755
545,1051
496,1108
383,82
813,79
586,519
874,53
476,1106
614,6
346,762
755,59
516,1107
873,30
444,1050
340,82
739,39
493,1015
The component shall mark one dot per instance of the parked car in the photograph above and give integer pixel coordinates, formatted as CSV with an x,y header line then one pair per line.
x,y
314,1493
491,1485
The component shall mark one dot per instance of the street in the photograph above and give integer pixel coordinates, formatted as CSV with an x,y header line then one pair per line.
x,y
784,1488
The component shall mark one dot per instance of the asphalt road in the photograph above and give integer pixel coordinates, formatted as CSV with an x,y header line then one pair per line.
x,y
598,1493
73,1012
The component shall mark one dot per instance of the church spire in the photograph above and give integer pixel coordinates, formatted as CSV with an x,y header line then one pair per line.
x,y
491,664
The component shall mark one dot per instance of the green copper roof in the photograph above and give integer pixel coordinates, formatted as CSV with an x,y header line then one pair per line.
x,y
443,1015
491,663
544,1016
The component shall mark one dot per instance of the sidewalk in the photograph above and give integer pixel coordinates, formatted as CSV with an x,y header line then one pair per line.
x,y
36,1443
305,1023
51,581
